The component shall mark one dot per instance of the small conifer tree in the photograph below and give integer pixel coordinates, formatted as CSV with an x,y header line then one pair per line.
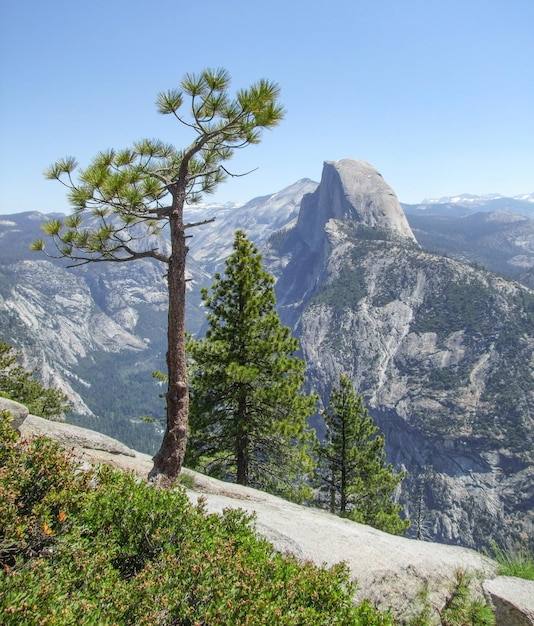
x,y
20,385
248,419
352,477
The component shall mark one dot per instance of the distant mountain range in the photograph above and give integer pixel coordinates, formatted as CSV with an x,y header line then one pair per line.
x,y
399,298
500,241
465,203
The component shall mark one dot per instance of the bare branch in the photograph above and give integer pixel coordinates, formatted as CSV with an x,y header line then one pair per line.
x,y
237,175
194,224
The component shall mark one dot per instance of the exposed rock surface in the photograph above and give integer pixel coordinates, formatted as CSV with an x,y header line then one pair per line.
x,y
75,437
17,411
390,571
351,190
61,310
513,599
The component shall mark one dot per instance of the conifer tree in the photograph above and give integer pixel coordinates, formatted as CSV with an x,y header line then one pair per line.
x,y
16,383
248,420
352,477
125,197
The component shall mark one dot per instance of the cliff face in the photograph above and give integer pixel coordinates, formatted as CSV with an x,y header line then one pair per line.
x,y
96,332
351,191
442,353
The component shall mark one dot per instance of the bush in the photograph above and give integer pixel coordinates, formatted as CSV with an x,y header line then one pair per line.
x,y
518,562
463,608
19,385
39,491
102,547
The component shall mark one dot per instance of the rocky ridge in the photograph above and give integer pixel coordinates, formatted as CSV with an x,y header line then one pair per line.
x,y
500,241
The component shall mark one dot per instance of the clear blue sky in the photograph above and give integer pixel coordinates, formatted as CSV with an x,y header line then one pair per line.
x,y
437,95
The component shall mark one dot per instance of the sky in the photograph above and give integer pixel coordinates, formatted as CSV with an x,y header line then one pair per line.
x,y
437,95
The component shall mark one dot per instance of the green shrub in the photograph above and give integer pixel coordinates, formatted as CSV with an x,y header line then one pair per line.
x,y
463,608
19,385
518,562
103,547
39,490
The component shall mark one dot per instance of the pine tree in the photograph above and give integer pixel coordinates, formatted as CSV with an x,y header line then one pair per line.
x,y
125,197
18,384
248,420
352,476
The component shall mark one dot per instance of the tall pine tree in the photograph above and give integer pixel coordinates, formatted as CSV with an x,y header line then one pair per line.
x,y
248,419
353,478
123,198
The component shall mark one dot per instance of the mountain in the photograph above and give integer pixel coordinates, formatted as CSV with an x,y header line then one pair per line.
x,y
492,231
464,204
212,243
499,241
99,331
96,332
441,350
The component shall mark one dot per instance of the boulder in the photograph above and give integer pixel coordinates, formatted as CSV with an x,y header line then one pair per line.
x,y
17,411
512,599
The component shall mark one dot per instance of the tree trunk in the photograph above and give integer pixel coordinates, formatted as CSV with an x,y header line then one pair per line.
x,y
242,444
169,458
344,486
343,491
242,460
332,491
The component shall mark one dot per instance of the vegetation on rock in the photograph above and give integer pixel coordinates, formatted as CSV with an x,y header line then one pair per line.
x,y
518,562
100,547
463,607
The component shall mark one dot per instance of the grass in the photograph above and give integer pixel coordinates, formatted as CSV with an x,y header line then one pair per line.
x,y
518,563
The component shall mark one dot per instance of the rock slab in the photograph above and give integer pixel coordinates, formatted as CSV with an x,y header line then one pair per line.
x,y
17,411
74,436
512,599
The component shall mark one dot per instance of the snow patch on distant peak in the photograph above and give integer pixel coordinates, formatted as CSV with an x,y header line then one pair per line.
x,y
463,198
471,199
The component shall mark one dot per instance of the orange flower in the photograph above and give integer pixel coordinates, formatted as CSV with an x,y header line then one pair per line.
x,y
62,516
